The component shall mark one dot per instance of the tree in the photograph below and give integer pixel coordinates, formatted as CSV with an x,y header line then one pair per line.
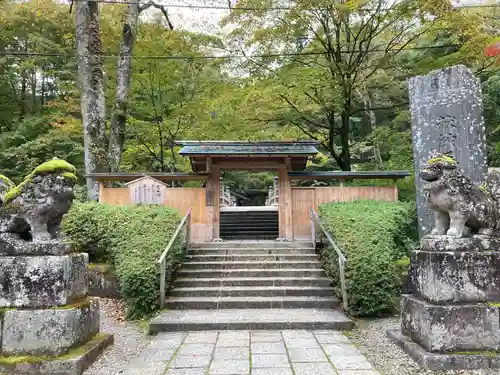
x,y
123,78
93,102
346,44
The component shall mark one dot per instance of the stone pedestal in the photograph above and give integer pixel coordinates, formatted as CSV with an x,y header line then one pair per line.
x,y
48,324
452,318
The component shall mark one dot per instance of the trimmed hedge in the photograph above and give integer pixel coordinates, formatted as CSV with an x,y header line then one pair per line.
x,y
373,236
130,239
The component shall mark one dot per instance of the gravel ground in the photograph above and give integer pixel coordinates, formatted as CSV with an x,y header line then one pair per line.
x,y
129,338
389,359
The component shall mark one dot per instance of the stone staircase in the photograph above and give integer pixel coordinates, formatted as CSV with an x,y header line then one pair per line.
x,y
251,285
250,224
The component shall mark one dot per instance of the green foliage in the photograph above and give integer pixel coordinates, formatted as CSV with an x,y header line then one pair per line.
x,y
373,236
357,100
130,239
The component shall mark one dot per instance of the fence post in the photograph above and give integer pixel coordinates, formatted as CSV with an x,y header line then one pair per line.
x,y
162,283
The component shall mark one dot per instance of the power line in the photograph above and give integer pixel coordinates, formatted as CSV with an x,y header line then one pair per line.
x,y
209,57
242,8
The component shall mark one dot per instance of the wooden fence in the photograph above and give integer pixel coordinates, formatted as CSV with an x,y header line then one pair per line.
x,y
180,199
303,199
311,197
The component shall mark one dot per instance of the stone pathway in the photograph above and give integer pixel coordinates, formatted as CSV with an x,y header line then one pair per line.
x,y
290,352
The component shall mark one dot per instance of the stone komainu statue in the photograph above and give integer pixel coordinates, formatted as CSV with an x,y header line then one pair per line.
x,y
457,203
5,185
36,206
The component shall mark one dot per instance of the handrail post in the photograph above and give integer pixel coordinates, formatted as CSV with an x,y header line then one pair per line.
x,y
343,285
341,258
313,229
162,283
188,232
163,257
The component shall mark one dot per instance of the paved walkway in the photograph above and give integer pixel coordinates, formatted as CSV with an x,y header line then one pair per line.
x,y
290,352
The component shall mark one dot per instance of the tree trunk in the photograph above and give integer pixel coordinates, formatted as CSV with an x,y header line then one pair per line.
x,y
90,72
22,99
368,104
123,77
345,154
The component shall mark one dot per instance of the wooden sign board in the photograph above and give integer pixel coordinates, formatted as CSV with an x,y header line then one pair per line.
x,y
147,190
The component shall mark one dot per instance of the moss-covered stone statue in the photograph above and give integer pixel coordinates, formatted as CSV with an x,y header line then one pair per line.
x,y
36,206
5,185
460,206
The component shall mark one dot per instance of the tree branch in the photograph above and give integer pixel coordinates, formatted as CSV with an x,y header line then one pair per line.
x,y
160,7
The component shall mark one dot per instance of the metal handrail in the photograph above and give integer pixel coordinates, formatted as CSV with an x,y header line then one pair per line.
x,y
342,259
162,261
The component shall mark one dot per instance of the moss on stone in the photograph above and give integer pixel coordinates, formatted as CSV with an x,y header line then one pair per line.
x,y
75,305
102,268
49,167
54,166
442,158
76,352
3,310
7,181
485,353
78,304
402,263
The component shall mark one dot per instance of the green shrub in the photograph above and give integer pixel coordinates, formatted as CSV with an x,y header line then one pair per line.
x,y
373,235
130,239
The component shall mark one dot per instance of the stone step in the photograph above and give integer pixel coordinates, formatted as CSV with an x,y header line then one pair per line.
x,y
251,291
252,257
210,303
251,281
250,251
249,237
255,244
251,272
252,264
250,232
256,319
248,218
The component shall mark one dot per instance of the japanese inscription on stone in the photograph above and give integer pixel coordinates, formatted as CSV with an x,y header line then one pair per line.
x,y
446,111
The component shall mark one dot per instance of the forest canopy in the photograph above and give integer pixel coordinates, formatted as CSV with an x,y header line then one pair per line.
x,y
335,72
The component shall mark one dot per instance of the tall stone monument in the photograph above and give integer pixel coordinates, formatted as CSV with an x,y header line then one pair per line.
x,y
48,325
446,112
451,319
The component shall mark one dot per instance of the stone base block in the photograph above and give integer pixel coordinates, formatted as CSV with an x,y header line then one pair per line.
x,y
449,361
451,328
50,332
450,243
42,281
102,283
10,245
73,363
456,277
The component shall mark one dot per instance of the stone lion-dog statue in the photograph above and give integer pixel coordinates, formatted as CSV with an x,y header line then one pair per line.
x,y
460,207
36,206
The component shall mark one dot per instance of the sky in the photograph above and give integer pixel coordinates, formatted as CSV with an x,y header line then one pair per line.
x,y
207,20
